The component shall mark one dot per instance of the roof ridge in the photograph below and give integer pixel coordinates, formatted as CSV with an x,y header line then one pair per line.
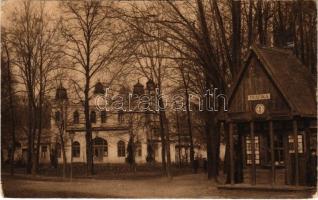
x,y
285,51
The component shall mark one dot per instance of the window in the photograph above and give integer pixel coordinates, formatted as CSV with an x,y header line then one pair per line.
x,y
93,117
57,116
313,143
120,116
138,149
76,117
278,149
100,147
43,151
121,149
291,143
76,150
248,143
103,116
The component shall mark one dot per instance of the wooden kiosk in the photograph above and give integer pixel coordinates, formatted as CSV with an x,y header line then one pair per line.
x,y
271,121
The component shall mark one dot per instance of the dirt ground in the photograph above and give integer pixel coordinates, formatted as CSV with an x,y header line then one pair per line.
x,y
182,186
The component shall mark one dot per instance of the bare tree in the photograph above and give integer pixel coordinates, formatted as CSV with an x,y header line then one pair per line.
x,y
9,93
93,43
151,63
32,36
152,66
61,107
184,69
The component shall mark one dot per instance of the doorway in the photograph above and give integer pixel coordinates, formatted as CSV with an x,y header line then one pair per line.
x,y
279,150
100,149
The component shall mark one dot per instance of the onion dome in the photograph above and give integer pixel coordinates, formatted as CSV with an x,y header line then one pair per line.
x,y
99,88
61,93
138,89
150,85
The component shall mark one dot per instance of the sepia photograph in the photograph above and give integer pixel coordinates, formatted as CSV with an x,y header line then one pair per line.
x,y
199,99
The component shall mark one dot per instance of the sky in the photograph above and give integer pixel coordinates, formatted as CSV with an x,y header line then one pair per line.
x,y
8,7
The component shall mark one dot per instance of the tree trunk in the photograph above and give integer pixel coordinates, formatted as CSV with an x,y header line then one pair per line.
x,y
236,35
190,129
38,144
63,152
179,139
61,127
164,132
40,107
88,126
260,22
212,139
163,143
213,144
34,151
162,136
301,31
209,147
30,135
12,112
250,23
168,147
222,31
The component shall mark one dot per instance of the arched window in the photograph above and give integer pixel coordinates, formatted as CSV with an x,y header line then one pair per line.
x,y
58,116
100,147
121,149
103,116
76,149
76,117
138,149
93,117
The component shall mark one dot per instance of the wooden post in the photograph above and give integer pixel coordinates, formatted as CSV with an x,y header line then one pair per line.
x,y
287,159
231,152
253,153
307,152
271,135
295,130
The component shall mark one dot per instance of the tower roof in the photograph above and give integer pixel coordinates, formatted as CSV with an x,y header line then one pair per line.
x,y
138,89
99,88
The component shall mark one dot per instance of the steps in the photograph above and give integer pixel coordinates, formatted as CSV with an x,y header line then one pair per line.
x,y
263,176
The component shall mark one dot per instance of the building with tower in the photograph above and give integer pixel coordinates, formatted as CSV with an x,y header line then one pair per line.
x,y
111,128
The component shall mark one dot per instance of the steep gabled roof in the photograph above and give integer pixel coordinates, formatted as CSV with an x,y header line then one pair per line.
x,y
293,79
